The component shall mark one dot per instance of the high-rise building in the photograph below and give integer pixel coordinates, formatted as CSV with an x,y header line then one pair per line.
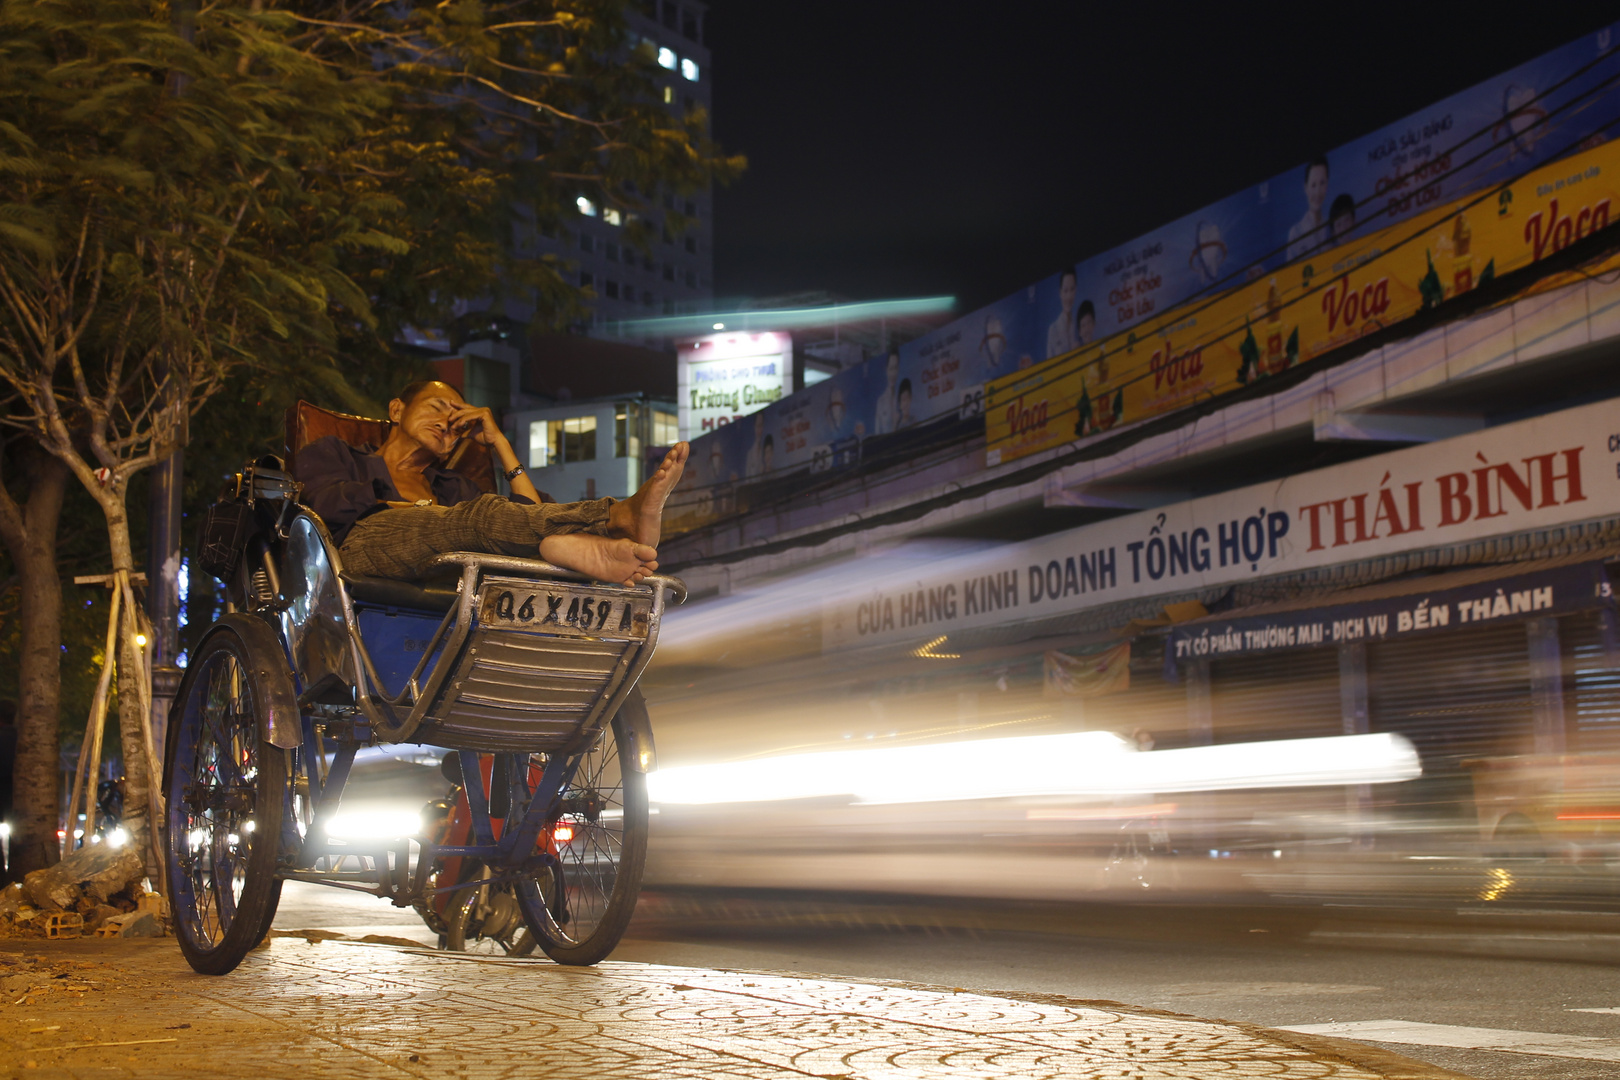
x,y
677,275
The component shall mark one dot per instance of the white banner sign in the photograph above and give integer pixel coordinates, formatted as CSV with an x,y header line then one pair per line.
x,y
1533,474
722,378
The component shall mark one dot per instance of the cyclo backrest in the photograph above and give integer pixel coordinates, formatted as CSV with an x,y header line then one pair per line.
x,y
306,423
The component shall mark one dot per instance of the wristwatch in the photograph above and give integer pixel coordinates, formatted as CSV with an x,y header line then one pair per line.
x,y
511,474
424,502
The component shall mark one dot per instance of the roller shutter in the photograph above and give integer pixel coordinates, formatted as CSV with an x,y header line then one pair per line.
x,y
1456,695
1287,695
1591,686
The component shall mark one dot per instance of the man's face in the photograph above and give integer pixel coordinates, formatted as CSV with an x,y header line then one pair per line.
x,y
835,413
1211,251
427,418
1066,290
995,339
1316,185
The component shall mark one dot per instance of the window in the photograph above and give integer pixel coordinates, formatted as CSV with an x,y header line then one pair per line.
x,y
691,245
669,306
668,239
586,243
586,280
586,207
691,208
669,95
612,251
689,26
672,14
666,58
669,272
558,442
627,430
612,216
691,279
689,70
611,288
647,298
669,201
664,429
650,266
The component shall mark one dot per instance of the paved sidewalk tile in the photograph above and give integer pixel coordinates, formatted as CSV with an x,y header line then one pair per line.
x,y
331,1009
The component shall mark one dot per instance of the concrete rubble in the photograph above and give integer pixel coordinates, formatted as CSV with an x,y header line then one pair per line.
x,y
98,890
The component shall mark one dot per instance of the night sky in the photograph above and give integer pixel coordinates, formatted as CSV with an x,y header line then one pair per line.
x,y
899,148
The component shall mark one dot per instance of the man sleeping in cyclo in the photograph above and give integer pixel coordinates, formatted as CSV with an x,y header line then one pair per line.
x,y
391,511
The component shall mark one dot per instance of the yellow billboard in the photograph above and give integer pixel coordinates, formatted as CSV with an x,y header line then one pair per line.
x,y
1219,344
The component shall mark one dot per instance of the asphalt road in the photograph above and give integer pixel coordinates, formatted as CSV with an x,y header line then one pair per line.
x,y
1523,975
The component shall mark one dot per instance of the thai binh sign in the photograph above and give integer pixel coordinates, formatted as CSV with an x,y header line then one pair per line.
x,y
1304,310
1534,474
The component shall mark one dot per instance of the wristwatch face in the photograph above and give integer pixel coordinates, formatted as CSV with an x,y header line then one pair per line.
x,y
424,502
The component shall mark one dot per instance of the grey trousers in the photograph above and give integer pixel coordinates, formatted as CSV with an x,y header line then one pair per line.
x,y
399,543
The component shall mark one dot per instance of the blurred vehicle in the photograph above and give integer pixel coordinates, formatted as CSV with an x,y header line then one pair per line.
x,y
1560,807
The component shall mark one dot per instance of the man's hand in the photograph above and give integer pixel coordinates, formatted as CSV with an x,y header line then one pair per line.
x,y
478,423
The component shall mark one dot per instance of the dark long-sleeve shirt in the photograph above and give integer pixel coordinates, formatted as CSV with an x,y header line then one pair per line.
x,y
343,484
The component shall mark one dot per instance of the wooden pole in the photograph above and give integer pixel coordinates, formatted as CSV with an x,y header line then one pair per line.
x,y
97,722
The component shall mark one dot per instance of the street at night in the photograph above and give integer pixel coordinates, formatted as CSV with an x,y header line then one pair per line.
x,y
906,541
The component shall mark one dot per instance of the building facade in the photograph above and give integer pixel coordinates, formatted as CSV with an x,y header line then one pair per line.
x,y
677,275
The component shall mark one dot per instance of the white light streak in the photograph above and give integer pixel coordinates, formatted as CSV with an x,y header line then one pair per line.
x,y
375,825
1088,763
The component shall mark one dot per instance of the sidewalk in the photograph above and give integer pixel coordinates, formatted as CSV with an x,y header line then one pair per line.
x,y
340,1009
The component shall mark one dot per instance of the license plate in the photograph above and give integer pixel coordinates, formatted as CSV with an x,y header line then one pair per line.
x,y
573,610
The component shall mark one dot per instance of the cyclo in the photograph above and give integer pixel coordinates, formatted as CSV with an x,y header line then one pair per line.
x,y
521,663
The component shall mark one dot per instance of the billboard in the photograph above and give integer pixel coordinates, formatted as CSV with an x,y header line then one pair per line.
x,y
720,378
1317,304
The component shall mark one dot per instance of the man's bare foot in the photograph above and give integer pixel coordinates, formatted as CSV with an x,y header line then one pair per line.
x,y
622,561
641,516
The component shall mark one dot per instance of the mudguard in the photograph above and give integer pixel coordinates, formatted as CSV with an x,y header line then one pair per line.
x,y
636,724
284,725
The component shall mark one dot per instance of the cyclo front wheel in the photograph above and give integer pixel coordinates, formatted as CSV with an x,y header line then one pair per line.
x,y
226,792
579,909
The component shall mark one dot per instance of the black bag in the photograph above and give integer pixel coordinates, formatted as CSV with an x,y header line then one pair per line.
x,y
227,526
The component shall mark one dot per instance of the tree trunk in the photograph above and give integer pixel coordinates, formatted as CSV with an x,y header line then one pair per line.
x,y
36,795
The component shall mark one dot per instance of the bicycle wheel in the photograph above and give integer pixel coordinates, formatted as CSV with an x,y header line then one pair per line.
x,y
226,788
579,909
485,918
